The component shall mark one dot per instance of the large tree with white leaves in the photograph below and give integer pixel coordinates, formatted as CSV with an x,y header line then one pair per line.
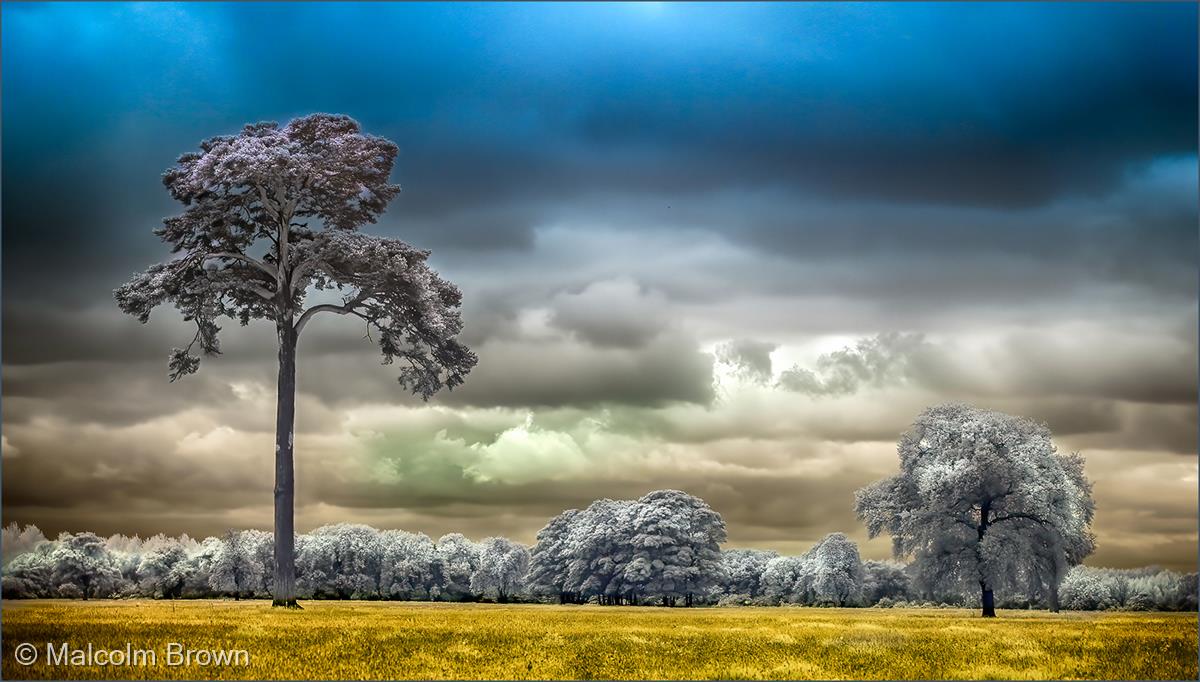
x,y
340,561
270,214
599,550
665,545
982,497
782,579
675,545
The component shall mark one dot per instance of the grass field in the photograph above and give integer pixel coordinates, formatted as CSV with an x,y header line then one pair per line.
x,y
380,640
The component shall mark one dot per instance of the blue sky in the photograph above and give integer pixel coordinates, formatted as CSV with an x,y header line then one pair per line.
x,y
622,191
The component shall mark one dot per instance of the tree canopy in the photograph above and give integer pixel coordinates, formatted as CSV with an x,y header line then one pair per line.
x,y
983,497
273,210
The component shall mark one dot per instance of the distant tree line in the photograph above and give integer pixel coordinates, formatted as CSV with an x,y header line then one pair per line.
x,y
342,561
986,508
661,549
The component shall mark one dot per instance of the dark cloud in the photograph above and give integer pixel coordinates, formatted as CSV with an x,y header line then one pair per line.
x,y
494,133
1106,365
617,314
555,373
1073,416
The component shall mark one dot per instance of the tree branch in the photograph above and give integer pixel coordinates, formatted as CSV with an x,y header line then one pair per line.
x,y
262,195
244,258
307,266
301,272
348,308
1018,515
263,292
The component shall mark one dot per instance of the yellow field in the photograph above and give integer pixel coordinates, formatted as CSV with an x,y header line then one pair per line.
x,y
373,640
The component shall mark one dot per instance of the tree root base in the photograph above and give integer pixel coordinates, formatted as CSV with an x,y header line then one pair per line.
x,y
287,604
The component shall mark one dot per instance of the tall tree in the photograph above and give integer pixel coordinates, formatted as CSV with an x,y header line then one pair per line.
x,y
979,495
270,213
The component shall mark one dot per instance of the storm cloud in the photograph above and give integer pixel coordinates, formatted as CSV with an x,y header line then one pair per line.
x,y
730,249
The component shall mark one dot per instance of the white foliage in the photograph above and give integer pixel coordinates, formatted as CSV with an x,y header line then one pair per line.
x,y
456,559
339,561
664,545
743,570
406,565
83,561
238,568
502,568
983,501
16,540
836,571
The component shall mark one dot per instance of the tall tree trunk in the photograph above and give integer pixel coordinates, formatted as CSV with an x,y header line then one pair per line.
x,y
1052,593
989,601
285,479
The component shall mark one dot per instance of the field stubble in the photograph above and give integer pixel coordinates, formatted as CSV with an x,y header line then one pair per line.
x,y
399,640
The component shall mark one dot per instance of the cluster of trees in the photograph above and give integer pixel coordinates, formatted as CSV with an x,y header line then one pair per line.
x,y
342,561
613,552
831,573
1141,589
665,546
